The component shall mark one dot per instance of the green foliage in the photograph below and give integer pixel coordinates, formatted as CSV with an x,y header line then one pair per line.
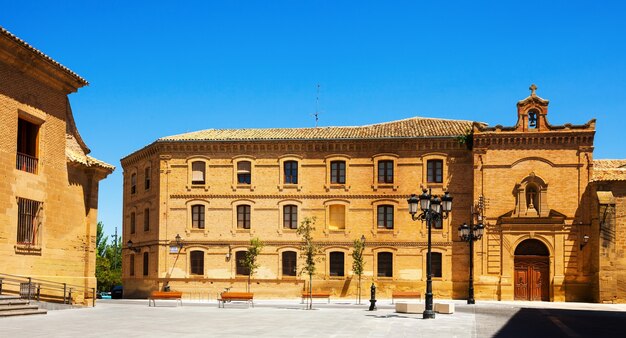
x,y
250,259
357,257
309,250
108,261
467,139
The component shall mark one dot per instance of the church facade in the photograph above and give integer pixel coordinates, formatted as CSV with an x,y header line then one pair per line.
x,y
193,202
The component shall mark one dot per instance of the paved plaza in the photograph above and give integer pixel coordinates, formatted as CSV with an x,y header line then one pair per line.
x,y
273,318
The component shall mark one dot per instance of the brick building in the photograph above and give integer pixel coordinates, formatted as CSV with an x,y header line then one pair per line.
x,y
49,186
530,185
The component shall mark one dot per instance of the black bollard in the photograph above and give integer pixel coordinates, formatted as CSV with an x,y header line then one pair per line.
x,y
373,297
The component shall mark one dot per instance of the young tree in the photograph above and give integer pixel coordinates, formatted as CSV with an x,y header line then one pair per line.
x,y
250,259
108,261
309,252
357,262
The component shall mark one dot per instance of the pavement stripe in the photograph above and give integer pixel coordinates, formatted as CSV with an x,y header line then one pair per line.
x,y
569,332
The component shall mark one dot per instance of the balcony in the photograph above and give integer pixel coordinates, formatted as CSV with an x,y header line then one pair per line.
x,y
26,163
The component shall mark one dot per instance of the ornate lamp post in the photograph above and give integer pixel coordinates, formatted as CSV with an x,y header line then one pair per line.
x,y
433,209
471,233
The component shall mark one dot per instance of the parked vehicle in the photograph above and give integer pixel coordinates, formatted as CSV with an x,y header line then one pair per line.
x,y
104,295
117,292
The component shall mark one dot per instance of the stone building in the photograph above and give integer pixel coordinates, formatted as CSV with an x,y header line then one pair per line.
x,y
49,185
217,189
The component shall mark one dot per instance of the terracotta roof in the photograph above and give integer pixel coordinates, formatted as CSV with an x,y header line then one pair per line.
x,y
74,153
609,170
8,34
407,128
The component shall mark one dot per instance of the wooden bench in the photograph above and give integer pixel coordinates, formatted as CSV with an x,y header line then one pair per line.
x,y
169,295
405,295
235,296
306,295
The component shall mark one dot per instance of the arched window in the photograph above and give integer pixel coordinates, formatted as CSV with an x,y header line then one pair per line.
x,y
242,269
146,219
434,171
132,222
291,172
337,217
336,264
197,262
290,217
198,172
131,265
385,264
243,216
436,264
385,171
289,263
197,216
338,172
532,119
133,183
385,216
244,172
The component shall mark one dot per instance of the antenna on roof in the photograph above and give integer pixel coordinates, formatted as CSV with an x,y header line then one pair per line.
x,y
317,103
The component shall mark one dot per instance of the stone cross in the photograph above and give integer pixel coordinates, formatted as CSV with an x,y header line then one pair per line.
x,y
532,88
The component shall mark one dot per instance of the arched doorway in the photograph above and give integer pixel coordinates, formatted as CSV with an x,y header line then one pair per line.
x,y
532,271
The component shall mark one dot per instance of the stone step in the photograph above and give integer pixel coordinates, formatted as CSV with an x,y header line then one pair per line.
x,y
13,301
17,307
22,312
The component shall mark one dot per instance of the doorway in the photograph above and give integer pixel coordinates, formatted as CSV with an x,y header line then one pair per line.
x,y
532,271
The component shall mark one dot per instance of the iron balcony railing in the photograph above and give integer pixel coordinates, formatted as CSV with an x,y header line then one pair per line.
x,y
26,163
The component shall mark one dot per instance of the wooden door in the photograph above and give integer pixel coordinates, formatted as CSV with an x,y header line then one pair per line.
x,y
531,279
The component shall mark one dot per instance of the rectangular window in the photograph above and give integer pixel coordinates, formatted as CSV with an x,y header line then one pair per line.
x,y
434,170
435,260
131,264
133,183
240,261
338,172
337,264
291,172
132,222
146,182
385,217
243,216
145,263
337,215
385,264
244,172
28,221
289,263
198,170
146,219
290,217
27,138
385,171
197,216
197,262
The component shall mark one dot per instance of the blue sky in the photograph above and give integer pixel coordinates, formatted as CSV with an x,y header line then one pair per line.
x,y
163,68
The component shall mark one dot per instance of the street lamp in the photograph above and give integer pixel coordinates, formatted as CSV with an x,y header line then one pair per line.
x,y
179,241
471,233
433,209
130,246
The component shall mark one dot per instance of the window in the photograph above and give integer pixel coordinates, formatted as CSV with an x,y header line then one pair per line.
x,y
132,222
385,217
27,135
146,182
289,263
385,264
338,172
243,216
437,223
198,171
197,262
240,258
337,217
146,219
532,119
435,260
145,263
28,221
434,171
197,216
133,183
290,217
291,172
385,171
337,264
131,265
244,172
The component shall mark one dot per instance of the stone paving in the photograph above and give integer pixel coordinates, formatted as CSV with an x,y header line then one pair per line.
x,y
284,318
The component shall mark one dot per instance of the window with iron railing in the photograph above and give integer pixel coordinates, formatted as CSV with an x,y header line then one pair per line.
x,y
27,144
29,221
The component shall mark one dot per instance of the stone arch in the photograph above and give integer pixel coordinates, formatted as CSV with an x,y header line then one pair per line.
x,y
532,270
